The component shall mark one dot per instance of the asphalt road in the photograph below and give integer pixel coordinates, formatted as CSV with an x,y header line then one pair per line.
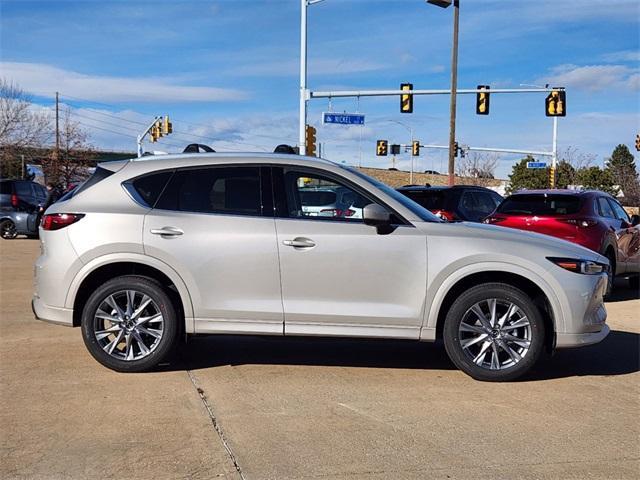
x,y
233,407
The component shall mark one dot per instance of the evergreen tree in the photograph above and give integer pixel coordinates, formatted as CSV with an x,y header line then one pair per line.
x,y
622,166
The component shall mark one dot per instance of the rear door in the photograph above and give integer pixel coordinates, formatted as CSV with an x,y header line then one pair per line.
x,y
628,237
214,225
339,276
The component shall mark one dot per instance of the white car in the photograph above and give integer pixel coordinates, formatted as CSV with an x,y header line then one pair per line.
x,y
149,251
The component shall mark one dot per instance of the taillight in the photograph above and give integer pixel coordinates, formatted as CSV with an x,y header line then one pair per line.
x,y
14,200
56,221
580,222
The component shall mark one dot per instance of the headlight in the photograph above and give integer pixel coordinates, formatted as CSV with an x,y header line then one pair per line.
x,y
586,267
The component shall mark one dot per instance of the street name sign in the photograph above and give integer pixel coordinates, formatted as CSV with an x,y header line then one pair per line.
x,y
536,164
343,118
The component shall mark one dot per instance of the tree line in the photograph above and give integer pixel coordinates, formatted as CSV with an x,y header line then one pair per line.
x,y
28,135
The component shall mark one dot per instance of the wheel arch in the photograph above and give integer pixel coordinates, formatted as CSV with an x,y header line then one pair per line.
x,y
534,286
110,266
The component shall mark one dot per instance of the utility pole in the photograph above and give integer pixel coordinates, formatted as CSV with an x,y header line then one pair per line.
x,y
57,125
454,92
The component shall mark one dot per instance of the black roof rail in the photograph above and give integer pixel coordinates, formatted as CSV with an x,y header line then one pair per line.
x,y
198,148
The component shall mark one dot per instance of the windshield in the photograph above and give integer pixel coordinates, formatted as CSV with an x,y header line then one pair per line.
x,y
540,204
421,212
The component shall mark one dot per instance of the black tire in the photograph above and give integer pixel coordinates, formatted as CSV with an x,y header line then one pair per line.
x,y
505,294
612,274
90,324
8,229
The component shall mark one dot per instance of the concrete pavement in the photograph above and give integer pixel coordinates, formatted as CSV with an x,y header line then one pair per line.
x,y
307,408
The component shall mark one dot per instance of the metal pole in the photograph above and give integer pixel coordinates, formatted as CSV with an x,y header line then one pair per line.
x,y
139,143
303,78
554,149
411,143
24,173
454,87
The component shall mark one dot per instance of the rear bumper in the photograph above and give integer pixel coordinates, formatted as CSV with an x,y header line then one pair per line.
x,y
47,313
572,340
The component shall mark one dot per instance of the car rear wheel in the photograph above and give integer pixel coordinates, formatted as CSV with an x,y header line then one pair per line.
x,y
129,324
8,230
494,332
611,274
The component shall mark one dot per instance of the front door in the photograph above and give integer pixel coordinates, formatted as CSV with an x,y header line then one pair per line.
x,y
339,276
211,225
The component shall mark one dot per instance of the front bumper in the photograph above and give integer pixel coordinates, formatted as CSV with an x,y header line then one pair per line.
x,y
47,313
573,340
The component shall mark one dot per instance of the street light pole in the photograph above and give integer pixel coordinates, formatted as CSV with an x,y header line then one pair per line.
x,y
454,92
303,78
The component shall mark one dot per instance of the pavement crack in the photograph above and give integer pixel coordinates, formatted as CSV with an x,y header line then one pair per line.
x,y
214,422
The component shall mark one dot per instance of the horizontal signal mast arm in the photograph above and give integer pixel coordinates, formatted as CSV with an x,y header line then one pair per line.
x,y
383,93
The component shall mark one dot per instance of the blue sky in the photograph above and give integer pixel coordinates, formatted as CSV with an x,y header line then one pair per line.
x,y
227,71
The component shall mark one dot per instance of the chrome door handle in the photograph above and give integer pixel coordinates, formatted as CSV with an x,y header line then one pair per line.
x,y
167,231
299,242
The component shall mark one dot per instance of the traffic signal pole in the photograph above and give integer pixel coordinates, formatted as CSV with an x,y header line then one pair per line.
x,y
144,134
303,77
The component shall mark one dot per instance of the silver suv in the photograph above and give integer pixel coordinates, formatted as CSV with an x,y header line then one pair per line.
x,y
152,250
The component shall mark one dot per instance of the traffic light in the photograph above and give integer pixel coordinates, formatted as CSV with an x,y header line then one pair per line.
x,y
395,149
638,142
556,104
482,100
310,140
552,177
415,148
382,147
156,131
167,126
406,100
456,149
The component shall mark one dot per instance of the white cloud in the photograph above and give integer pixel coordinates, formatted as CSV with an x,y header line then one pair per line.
x,y
622,56
593,77
323,66
44,80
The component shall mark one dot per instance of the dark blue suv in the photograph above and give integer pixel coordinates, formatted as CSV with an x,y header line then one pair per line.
x,y
20,201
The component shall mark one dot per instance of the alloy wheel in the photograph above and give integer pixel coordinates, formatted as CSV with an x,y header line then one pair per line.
x,y
495,334
8,230
128,325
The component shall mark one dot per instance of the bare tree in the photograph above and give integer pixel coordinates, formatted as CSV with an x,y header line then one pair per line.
x,y
70,163
23,127
478,167
576,159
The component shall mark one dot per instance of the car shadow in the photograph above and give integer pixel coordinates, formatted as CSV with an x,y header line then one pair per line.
x,y
622,291
618,354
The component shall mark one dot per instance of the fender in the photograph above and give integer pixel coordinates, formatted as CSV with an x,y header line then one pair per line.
x,y
438,291
135,258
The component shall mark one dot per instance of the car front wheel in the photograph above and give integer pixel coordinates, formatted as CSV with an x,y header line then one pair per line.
x,y
494,332
8,230
129,324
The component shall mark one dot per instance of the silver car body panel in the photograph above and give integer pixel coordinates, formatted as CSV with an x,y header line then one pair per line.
x,y
235,274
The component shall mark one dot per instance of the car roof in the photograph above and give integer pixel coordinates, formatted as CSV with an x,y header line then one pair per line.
x,y
557,191
442,188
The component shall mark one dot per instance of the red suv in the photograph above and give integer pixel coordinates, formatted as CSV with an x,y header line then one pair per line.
x,y
592,219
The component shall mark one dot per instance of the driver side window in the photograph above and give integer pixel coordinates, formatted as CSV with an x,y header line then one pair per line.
x,y
316,197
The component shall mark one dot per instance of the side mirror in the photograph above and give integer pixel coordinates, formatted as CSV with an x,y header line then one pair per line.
x,y
635,220
377,216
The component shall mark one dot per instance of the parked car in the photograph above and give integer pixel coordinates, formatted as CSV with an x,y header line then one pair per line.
x,y
592,219
154,249
461,202
19,204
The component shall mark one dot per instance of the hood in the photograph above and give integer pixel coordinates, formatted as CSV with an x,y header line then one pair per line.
x,y
495,233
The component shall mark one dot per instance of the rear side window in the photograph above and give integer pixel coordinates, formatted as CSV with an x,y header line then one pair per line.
x,y
225,190
6,188
540,204
23,189
604,207
319,198
150,187
431,200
